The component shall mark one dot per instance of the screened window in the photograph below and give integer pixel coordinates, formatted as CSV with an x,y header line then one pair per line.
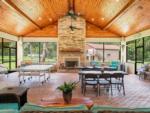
x,y
111,51
104,52
139,42
31,51
48,52
147,49
139,51
8,53
131,51
40,51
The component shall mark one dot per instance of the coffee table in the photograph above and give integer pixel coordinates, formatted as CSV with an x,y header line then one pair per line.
x,y
59,102
21,92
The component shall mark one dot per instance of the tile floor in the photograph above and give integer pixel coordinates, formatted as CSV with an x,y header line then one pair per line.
x,y
137,91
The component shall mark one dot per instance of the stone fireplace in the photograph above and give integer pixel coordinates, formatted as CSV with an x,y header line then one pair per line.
x,y
71,42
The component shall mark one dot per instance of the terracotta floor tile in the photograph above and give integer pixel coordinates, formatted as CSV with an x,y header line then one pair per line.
x,y
137,91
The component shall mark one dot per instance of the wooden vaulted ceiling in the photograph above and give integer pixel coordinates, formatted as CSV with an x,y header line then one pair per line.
x,y
104,17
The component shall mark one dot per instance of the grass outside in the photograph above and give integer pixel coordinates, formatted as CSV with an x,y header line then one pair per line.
x,y
13,65
36,59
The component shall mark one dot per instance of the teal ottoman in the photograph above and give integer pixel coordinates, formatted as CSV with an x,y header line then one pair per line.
x,y
5,106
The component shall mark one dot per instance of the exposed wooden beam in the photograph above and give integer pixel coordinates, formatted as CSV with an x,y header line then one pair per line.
x,y
71,4
15,8
121,13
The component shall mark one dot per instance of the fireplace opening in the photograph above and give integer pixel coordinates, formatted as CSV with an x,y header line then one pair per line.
x,y
71,64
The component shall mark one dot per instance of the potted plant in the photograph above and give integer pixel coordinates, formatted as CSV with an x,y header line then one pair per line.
x,y
67,89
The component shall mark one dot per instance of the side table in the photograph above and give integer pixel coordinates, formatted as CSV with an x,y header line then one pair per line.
x,y
21,92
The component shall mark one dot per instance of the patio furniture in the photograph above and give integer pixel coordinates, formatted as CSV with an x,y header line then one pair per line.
x,y
105,82
33,108
117,80
90,80
145,71
34,70
95,63
20,92
57,112
9,111
9,101
114,65
110,109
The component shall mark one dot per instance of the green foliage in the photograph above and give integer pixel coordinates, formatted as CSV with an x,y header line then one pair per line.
x,y
72,14
67,87
131,51
34,50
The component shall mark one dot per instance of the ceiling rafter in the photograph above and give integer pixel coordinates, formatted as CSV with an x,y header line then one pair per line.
x,y
15,8
122,12
71,5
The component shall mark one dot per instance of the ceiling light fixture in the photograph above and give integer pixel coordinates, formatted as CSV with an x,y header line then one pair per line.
x,y
79,13
50,19
92,19
102,18
125,28
39,18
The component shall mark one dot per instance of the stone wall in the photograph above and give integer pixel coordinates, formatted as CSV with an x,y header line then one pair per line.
x,y
71,42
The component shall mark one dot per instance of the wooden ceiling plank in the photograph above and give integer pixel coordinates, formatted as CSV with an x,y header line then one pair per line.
x,y
15,8
122,12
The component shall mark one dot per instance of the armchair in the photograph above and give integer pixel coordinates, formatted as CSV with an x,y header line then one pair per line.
x,y
114,65
144,70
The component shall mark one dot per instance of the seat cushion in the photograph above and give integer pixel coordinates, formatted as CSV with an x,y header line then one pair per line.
x,y
8,111
97,109
31,107
56,112
109,109
13,106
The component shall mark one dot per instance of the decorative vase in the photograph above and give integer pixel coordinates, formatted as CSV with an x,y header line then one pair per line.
x,y
67,97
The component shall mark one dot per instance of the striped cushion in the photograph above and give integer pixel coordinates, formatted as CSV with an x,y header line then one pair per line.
x,y
56,112
31,107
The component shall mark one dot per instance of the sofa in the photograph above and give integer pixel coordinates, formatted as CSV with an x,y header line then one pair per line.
x,y
30,108
109,109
